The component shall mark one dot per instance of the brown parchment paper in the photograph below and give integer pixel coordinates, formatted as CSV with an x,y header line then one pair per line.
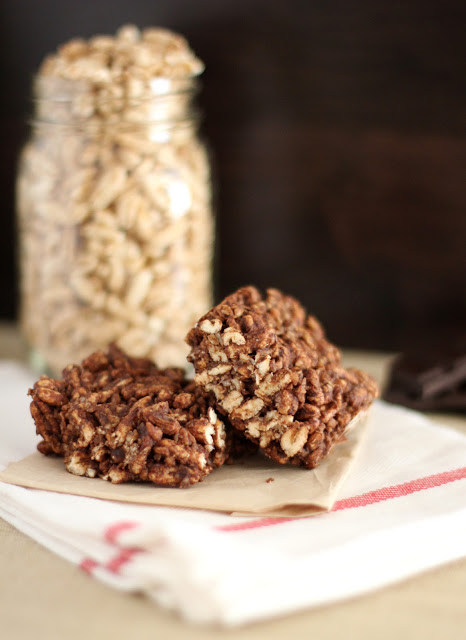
x,y
240,489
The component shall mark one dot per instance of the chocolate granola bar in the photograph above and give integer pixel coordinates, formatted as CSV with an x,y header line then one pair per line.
x,y
271,371
123,419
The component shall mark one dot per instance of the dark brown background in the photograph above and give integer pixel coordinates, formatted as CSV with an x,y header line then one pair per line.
x,y
337,135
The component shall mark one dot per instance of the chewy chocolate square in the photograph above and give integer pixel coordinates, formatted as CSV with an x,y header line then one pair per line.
x,y
268,367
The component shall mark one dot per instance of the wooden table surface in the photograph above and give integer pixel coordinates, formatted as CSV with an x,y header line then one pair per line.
x,y
44,597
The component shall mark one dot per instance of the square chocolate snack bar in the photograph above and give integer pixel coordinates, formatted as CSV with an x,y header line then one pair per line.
x,y
270,370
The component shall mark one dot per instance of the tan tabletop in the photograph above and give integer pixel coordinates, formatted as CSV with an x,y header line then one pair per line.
x,y
43,596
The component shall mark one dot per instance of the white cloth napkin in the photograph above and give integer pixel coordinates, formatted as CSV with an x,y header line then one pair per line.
x,y
402,511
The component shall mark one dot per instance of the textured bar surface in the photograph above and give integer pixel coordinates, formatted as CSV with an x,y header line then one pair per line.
x,y
270,369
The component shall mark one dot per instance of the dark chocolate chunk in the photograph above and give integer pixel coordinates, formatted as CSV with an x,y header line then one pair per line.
x,y
425,376
447,401
428,382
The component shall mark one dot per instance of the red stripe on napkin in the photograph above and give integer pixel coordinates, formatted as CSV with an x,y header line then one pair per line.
x,y
115,564
123,556
113,531
399,490
88,565
363,500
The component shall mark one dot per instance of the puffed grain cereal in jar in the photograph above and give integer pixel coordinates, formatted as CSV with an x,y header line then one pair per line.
x,y
114,201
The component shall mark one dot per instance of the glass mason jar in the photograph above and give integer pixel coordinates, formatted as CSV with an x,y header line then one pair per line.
x,y
115,223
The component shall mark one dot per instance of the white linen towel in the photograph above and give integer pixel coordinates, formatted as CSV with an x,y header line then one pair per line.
x,y
402,510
